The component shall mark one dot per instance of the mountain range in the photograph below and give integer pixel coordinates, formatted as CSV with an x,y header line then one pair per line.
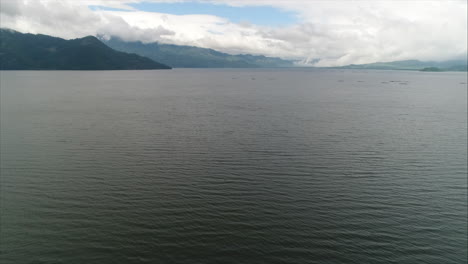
x,y
20,51
194,57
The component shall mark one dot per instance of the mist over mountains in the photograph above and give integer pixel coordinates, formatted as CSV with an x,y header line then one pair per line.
x,y
194,57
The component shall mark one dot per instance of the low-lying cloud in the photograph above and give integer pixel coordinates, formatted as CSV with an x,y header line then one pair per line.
x,y
335,32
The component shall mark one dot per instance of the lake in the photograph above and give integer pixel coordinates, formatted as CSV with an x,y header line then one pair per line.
x,y
233,166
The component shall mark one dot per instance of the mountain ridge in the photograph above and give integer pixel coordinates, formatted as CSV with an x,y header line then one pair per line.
x,y
25,51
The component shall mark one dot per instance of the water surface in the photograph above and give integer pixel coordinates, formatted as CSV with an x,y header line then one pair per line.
x,y
233,166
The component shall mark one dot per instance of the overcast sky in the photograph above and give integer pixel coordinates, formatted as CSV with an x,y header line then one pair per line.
x,y
336,32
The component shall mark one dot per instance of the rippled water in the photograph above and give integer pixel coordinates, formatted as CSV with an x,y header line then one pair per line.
x,y
233,166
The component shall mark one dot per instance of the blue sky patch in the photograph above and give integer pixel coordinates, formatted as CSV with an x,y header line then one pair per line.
x,y
105,8
259,15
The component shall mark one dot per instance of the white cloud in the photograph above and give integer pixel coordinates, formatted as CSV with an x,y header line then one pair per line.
x,y
337,32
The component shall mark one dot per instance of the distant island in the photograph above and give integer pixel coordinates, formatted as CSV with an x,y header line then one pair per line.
x,y
20,51
412,65
432,69
178,56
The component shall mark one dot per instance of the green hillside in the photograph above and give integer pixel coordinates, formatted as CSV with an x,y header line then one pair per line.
x,y
41,52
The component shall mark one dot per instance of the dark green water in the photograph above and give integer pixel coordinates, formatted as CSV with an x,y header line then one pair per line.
x,y
233,166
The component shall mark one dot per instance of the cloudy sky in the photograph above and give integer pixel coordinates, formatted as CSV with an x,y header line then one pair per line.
x,y
338,32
